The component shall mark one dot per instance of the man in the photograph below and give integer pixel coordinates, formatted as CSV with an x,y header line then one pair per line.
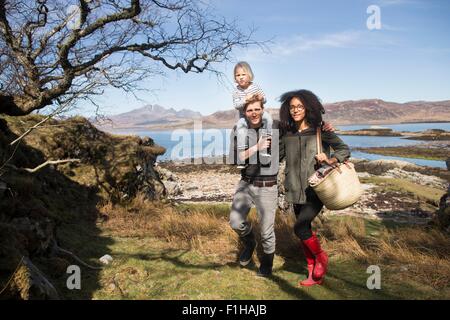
x,y
258,186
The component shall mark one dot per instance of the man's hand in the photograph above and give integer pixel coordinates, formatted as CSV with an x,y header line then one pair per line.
x,y
264,143
328,127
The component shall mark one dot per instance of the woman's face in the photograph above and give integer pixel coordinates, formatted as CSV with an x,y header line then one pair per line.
x,y
297,109
242,78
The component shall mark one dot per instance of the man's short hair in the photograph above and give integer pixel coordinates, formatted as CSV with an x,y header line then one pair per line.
x,y
246,105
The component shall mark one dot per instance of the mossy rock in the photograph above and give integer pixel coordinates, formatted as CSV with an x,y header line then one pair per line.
x,y
117,167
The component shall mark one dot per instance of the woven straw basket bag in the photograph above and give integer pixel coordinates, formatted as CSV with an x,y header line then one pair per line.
x,y
340,188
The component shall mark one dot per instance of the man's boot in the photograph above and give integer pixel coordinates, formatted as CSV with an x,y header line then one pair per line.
x,y
310,261
321,263
265,269
249,247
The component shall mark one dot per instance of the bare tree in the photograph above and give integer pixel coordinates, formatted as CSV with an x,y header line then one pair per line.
x,y
59,50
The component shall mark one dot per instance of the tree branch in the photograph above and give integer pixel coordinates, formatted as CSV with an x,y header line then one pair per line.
x,y
30,130
147,37
43,165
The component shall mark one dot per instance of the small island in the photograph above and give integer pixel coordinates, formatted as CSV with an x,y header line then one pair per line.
x,y
427,135
437,147
382,132
425,152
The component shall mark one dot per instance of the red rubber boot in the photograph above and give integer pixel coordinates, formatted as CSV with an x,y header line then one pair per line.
x,y
321,263
310,265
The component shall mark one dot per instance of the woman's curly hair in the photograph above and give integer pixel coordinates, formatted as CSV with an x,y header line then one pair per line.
x,y
313,110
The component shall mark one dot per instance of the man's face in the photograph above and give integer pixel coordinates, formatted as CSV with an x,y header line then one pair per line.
x,y
253,113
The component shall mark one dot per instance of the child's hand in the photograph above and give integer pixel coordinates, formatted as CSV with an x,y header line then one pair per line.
x,y
254,97
259,96
249,98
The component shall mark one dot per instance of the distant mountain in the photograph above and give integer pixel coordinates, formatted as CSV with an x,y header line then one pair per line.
x,y
151,115
376,111
369,111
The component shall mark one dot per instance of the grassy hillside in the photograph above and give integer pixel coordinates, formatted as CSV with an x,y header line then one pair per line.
x,y
190,252
36,206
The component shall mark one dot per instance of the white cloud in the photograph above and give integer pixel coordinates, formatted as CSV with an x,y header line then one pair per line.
x,y
296,44
299,44
387,3
388,27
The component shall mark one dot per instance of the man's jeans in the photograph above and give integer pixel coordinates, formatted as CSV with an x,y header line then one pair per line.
x,y
266,202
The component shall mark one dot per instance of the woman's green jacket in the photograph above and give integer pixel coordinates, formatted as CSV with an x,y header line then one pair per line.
x,y
299,150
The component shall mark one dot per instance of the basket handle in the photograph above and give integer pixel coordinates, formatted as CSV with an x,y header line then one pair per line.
x,y
319,148
319,139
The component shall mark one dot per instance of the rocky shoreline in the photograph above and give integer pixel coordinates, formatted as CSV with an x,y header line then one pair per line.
x,y
381,200
431,150
427,135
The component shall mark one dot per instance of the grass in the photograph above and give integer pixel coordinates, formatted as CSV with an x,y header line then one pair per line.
x,y
190,252
419,191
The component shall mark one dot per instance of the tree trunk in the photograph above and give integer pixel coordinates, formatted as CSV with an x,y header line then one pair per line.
x,y
9,106
20,106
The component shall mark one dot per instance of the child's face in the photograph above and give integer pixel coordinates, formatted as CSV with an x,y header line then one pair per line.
x,y
242,78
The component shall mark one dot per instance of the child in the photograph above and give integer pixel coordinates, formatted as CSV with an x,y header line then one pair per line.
x,y
246,91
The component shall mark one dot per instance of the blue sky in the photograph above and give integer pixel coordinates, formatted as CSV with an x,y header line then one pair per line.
x,y
323,46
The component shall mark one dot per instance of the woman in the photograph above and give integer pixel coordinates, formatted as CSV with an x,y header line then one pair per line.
x,y
300,115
